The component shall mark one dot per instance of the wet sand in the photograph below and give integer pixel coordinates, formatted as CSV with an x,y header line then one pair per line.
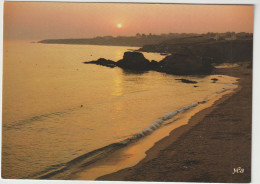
x,y
214,142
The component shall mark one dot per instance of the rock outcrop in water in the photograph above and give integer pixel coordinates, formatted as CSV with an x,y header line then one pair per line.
x,y
177,64
187,81
103,62
134,61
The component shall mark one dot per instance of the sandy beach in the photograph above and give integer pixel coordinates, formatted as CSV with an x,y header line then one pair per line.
x,y
214,144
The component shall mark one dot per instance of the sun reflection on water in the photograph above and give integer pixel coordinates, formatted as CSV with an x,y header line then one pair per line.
x,y
117,88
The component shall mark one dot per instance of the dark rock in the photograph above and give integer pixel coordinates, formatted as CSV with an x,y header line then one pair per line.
x,y
195,86
214,79
103,62
187,81
134,61
180,64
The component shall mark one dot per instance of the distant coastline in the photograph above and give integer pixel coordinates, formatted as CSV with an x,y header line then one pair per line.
x,y
222,47
140,40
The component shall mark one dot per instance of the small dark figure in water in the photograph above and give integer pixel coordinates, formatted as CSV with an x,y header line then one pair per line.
x,y
214,80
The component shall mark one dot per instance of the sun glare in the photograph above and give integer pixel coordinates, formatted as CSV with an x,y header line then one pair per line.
x,y
119,25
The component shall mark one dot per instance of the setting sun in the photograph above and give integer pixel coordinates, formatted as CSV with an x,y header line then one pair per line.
x,y
119,25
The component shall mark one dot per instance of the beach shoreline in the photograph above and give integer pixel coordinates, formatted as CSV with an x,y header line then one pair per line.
x,y
135,152
176,158
132,152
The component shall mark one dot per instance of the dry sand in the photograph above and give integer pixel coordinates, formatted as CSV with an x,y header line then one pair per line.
x,y
216,140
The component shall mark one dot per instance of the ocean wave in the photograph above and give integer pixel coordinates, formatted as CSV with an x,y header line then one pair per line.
x,y
38,118
159,122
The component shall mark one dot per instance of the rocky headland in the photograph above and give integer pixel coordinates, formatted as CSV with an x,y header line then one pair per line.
x,y
220,50
178,64
190,55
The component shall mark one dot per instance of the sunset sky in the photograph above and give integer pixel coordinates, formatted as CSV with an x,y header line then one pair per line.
x,y
42,20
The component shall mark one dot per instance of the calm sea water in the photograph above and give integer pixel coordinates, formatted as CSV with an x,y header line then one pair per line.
x,y
56,109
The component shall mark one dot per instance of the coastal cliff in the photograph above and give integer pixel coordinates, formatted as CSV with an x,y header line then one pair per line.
x,y
220,51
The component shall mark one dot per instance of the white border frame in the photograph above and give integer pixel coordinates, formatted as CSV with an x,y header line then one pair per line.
x,y
256,88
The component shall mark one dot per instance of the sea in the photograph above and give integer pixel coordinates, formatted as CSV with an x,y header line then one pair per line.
x,y
58,111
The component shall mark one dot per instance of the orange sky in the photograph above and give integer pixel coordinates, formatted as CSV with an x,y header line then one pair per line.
x,y
41,20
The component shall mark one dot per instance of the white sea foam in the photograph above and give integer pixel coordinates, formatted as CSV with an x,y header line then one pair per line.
x,y
169,115
159,122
